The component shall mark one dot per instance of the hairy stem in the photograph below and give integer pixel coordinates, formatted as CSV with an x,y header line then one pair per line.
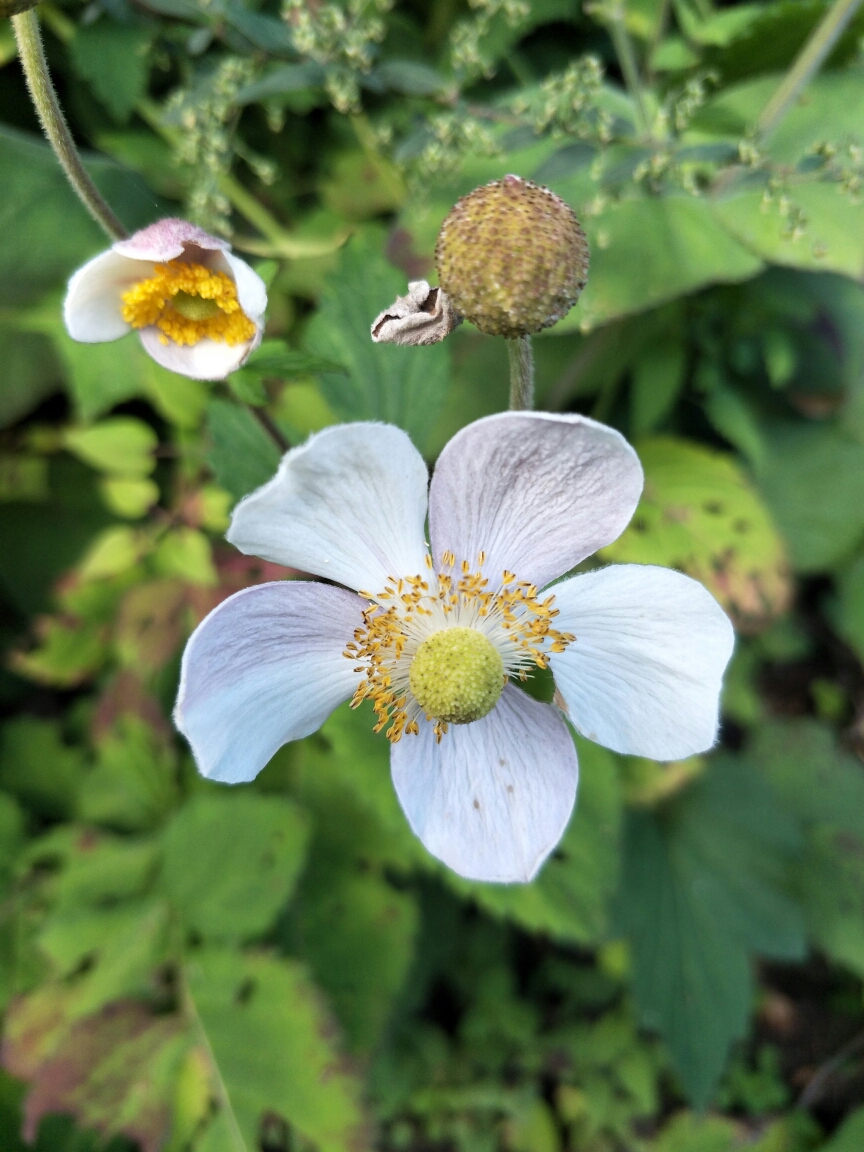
x,y
32,56
630,69
270,427
521,373
808,62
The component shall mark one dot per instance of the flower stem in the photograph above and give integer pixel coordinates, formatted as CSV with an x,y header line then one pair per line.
x,y
521,373
32,56
623,46
808,62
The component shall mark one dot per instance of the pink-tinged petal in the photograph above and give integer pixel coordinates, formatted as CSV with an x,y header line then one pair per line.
x,y
494,797
206,360
349,505
92,306
167,240
263,668
251,289
644,674
536,492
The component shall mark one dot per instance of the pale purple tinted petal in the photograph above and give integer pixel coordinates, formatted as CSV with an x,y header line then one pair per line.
x,y
494,797
644,673
263,668
349,505
166,240
536,492
206,360
251,289
92,306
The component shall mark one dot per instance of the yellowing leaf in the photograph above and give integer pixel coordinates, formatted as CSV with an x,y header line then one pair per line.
x,y
113,551
185,553
122,446
129,497
699,513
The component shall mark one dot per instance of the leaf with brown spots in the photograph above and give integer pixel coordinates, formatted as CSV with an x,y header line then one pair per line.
x,y
113,1071
700,514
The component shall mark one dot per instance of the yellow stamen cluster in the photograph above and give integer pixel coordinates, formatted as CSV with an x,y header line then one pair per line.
x,y
410,610
168,300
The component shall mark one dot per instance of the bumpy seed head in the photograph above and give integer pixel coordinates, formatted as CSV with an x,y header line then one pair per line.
x,y
456,675
512,257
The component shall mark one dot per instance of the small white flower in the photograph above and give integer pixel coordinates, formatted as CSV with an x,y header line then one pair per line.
x,y
485,774
197,308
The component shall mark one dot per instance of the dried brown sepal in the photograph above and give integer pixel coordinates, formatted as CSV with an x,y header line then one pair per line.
x,y
423,316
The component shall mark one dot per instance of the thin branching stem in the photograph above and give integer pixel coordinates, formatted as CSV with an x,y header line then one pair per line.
x,y
808,62
521,358
626,54
32,56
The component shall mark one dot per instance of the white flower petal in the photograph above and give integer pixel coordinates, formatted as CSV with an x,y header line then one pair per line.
x,y
643,676
92,306
536,492
494,797
349,505
263,668
167,240
251,289
206,360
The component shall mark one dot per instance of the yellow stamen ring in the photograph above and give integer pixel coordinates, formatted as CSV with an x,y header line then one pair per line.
x,y
188,303
443,646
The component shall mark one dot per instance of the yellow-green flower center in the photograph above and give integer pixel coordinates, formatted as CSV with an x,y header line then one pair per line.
x,y
456,675
194,307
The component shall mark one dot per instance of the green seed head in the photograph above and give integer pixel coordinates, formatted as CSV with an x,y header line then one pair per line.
x,y
194,307
512,257
456,675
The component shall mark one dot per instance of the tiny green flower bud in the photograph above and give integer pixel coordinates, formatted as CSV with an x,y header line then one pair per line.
x,y
512,257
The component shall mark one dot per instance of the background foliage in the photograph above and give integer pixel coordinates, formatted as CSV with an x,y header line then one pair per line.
x,y
281,966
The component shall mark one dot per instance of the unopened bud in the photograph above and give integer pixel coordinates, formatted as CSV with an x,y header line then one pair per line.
x,y
512,257
424,316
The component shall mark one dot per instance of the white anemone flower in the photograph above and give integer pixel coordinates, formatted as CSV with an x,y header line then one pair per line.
x,y
437,636
197,308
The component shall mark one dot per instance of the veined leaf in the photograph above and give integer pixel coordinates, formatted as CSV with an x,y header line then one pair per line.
x,y
231,863
275,1048
703,886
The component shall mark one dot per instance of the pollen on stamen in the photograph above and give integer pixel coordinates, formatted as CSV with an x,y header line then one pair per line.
x,y
408,610
188,303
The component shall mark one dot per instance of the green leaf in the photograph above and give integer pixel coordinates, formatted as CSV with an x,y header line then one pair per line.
x,y
823,786
101,375
689,1133
37,767
702,888
403,386
831,238
658,378
130,498
679,246
231,862
847,613
185,553
813,482
569,899
115,61
274,1046
242,456
30,373
849,1137
357,933
133,785
121,445
45,231
699,513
